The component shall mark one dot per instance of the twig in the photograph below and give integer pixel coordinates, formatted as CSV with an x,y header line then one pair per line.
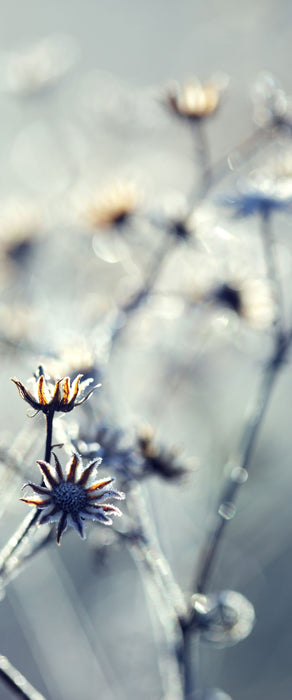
x,y
30,520
241,462
127,309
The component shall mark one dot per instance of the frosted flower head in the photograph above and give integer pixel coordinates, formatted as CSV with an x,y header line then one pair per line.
x,y
192,99
48,395
271,104
258,195
112,207
72,498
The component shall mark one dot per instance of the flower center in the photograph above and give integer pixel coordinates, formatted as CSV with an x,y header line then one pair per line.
x,y
70,498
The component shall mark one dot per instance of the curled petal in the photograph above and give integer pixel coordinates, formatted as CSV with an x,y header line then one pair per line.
x,y
37,489
26,395
87,396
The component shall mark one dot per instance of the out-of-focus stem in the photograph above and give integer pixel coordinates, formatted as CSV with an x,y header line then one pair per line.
x,y
165,596
239,462
272,270
127,310
18,684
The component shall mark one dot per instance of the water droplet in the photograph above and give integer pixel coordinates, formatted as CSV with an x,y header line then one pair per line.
x,y
239,474
224,618
227,511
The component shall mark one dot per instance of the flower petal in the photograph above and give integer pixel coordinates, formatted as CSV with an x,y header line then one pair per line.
x,y
86,473
100,484
46,469
72,468
26,395
49,517
37,489
66,391
43,393
36,502
58,468
61,527
77,523
74,389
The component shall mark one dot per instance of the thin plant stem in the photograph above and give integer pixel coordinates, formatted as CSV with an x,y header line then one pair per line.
x,y
18,684
240,464
49,434
272,270
206,172
241,461
9,550
127,310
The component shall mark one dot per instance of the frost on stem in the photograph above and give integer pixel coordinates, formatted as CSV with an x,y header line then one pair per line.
x,y
69,500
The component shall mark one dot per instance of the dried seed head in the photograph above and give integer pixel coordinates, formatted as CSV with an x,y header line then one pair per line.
x,y
73,498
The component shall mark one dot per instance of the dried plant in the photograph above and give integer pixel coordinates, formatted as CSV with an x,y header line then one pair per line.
x,y
143,306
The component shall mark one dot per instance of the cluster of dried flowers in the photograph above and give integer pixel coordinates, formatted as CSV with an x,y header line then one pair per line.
x,y
207,278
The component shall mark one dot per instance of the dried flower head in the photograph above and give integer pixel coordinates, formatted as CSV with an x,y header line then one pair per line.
x,y
39,66
68,500
258,195
157,460
114,206
49,395
249,299
192,100
21,223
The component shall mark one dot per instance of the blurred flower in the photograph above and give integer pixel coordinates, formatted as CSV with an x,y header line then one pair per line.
x,y
115,448
174,216
157,460
112,207
270,102
20,225
48,395
258,195
192,100
250,299
69,501
76,357
18,322
39,66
